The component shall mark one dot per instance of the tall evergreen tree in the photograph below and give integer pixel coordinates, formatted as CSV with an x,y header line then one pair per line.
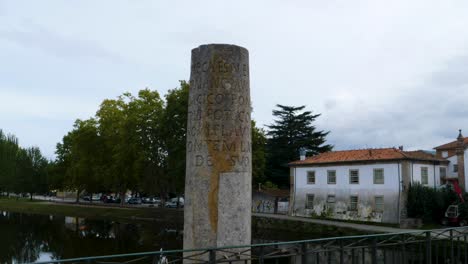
x,y
292,129
258,155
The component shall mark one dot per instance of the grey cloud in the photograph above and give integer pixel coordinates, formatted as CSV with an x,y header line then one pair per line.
x,y
330,104
35,36
454,73
423,117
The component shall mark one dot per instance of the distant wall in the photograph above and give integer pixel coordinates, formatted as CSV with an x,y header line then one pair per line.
x,y
264,203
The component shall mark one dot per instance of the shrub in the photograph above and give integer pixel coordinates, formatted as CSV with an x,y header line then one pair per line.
x,y
429,203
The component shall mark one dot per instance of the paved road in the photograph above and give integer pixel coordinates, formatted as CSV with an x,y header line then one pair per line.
x,y
362,227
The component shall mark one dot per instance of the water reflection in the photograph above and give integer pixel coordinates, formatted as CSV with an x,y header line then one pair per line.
x,y
29,238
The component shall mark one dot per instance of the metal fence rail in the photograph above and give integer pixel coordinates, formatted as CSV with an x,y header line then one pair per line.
x,y
431,246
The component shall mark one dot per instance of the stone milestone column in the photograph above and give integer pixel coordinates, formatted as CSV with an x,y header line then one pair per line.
x,y
218,185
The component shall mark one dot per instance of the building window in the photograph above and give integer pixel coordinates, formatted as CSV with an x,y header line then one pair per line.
x,y
354,176
353,203
444,154
379,203
443,172
378,176
455,167
331,201
424,175
331,177
311,177
310,201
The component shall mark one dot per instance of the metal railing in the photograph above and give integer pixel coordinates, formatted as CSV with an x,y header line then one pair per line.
x,y
431,246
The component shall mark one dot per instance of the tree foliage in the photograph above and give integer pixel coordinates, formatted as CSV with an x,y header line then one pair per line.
x,y
138,143
258,155
174,132
22,170
292,129
429,203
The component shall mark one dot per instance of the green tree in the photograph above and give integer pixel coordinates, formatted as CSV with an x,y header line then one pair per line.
x,y
86,159
148,110
292,129
258,154
130,129
55,176
61,167
22,170
36,180
175,135
31,172
118,130
8,158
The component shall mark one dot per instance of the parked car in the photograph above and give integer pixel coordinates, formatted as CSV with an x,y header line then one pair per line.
x,y
134,201
150,200
456,215
96,197
172,203
110,199
146,200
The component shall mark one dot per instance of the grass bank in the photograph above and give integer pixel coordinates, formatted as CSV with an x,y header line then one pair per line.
x,y
90,211
297,230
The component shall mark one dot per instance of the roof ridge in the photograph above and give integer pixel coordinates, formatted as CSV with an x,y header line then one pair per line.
x,y
402,152
343,150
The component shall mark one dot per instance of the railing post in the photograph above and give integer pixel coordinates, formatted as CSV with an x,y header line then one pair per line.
x,y
452,257
304,253
341,251
374,250
403,249
262,254
428,247
212,256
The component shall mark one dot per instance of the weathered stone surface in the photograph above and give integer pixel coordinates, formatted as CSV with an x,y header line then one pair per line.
x,y
219,170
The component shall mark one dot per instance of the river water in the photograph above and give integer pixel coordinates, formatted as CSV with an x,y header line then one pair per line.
x,y
30,238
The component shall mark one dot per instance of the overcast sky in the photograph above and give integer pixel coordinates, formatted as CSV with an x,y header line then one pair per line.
x,y
382,74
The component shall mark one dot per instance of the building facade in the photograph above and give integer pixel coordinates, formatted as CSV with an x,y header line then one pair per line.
x,y
456,153
365,185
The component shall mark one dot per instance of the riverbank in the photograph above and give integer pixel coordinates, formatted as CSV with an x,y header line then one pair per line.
x,y
267,223
367,228
278,223
90,211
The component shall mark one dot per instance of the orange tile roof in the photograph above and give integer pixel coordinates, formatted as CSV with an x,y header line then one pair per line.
x,y
360,155
452,145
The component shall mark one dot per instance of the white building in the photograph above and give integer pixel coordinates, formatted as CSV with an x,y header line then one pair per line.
x,y
456,153
365,184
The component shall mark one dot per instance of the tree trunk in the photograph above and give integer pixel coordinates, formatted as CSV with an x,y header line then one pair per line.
x,y
31,196
122,199
77,196
276,205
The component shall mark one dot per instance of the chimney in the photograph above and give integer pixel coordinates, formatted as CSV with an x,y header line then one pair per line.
x,y
302,153
400,148
460,150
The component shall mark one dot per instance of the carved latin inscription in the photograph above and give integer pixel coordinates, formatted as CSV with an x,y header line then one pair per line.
x,y
218,177
219,109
